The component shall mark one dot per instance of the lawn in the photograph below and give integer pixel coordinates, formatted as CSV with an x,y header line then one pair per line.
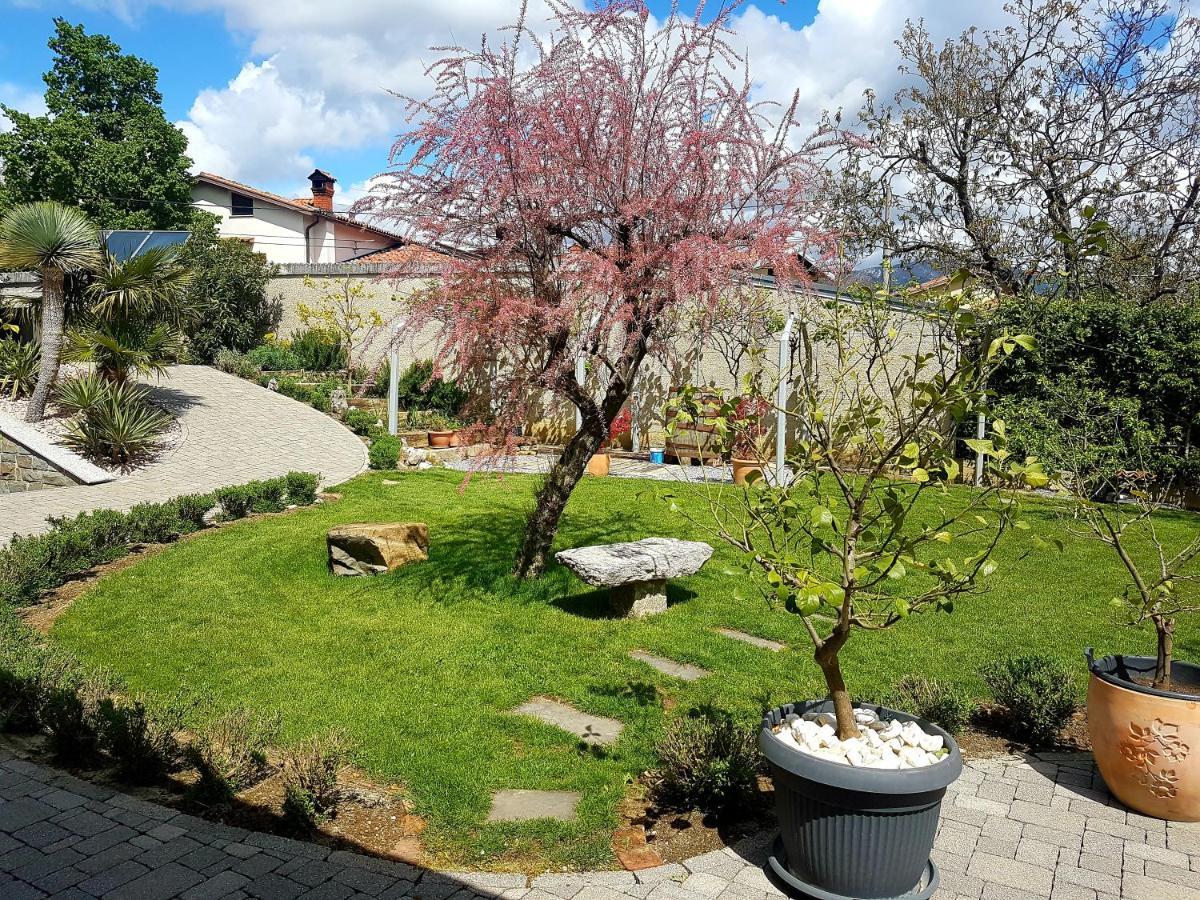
x,y
420,666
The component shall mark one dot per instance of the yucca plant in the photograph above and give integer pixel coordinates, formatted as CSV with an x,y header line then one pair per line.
x,y
119,347
78,395
121,428
52,240
19,362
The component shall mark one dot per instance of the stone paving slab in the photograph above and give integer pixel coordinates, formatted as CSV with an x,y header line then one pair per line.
x,y
588,728
522,805
683,671
1097,850
761,643
233,431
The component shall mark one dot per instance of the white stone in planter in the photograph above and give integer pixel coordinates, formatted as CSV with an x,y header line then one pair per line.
x,y
882,744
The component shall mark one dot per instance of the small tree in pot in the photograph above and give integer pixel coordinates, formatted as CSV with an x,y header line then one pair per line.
x,y
865,533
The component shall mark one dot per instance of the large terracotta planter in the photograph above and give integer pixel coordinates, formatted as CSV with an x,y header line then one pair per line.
x,y
440,439
744,468
599,464
455,439
1146,742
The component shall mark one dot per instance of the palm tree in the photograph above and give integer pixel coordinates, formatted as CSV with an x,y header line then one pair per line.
x,y
52,240
137,308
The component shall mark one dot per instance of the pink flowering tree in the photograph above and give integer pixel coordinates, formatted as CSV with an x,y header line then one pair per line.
x,y
601,176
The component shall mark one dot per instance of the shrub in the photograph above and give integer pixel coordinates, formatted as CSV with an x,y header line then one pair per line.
x,y
192,509
235,501
268,496
430,420
78,395
384,452
320,395
27,669
1037,694
383,375
310,771
236,364
121,427
302,487
70,713
418,389
318,350
708,762
361,421
273,357
143,742
153,523
943,704
19,365
231,753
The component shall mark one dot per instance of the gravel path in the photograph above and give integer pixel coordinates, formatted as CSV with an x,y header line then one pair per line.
x,y
232,431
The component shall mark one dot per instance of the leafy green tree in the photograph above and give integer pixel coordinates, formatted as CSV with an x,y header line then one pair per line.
x,y
54,241
229,291
104,144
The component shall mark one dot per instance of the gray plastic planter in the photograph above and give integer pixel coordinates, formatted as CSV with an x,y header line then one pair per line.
x,y
855,832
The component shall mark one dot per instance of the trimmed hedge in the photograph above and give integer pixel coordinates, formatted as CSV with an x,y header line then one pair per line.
x,y
33,564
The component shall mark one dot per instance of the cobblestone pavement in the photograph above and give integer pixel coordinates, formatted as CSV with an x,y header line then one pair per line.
x,y
530,464
233,431
1012,829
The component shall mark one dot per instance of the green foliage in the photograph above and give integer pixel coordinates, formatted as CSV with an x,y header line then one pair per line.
x,y
142,740
939,702
320,396
33,564
1111,385
361,421
230,755
19,363
70,713
80,394
1037,694
419,390
235,363
302,487
121,427
318,350
310,771
384,452
430,420
229,290
383,377
28,672
104,143
274,357
707,761
268,495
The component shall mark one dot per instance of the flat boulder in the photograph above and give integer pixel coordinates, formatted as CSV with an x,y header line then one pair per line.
x,y
371,549
650,559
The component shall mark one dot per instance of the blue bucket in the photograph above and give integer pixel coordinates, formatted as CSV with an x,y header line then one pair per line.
x,y
657,456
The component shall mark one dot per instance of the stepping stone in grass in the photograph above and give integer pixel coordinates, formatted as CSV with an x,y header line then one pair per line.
x,y
521,806
761,643
669,666
589,729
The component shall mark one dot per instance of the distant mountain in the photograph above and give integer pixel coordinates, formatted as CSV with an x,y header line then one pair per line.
x,y
902,276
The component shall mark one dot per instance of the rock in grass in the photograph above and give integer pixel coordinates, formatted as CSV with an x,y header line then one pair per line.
x,y
371,549
650,559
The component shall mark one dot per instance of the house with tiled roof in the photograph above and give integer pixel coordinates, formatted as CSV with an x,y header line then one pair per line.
x,y
292,231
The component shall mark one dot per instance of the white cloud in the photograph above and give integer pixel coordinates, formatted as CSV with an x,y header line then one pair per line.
x,y
27,100
325,72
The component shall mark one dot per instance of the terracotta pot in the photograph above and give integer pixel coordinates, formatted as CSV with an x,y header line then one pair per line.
x,y
455,440
440,438
1146,742
599,464
742,468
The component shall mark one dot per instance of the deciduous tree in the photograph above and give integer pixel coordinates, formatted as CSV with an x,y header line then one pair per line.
x,y
602,176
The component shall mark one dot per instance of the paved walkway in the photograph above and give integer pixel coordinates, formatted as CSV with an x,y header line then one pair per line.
x,y
233,431
1011,829
621,467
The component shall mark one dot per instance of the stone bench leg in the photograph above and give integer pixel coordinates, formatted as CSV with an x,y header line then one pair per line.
x,y
639,598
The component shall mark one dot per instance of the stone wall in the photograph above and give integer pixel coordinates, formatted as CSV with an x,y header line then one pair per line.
x,y
23,470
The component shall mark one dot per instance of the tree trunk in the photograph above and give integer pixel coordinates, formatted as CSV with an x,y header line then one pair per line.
x,y
552,499
1166,650
52,337
827,659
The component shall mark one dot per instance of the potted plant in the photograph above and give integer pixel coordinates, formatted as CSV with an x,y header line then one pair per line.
x,y
1143,711
848,546
438,427
750,444
601,461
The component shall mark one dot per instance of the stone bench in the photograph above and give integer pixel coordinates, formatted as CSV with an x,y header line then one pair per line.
x,y
636,571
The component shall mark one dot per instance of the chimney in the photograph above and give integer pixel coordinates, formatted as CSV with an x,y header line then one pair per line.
x,y
322,189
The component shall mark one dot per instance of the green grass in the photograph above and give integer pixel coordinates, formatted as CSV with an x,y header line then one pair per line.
x,y
420,666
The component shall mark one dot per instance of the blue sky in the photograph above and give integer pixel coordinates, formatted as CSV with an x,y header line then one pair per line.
x,y
265,90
